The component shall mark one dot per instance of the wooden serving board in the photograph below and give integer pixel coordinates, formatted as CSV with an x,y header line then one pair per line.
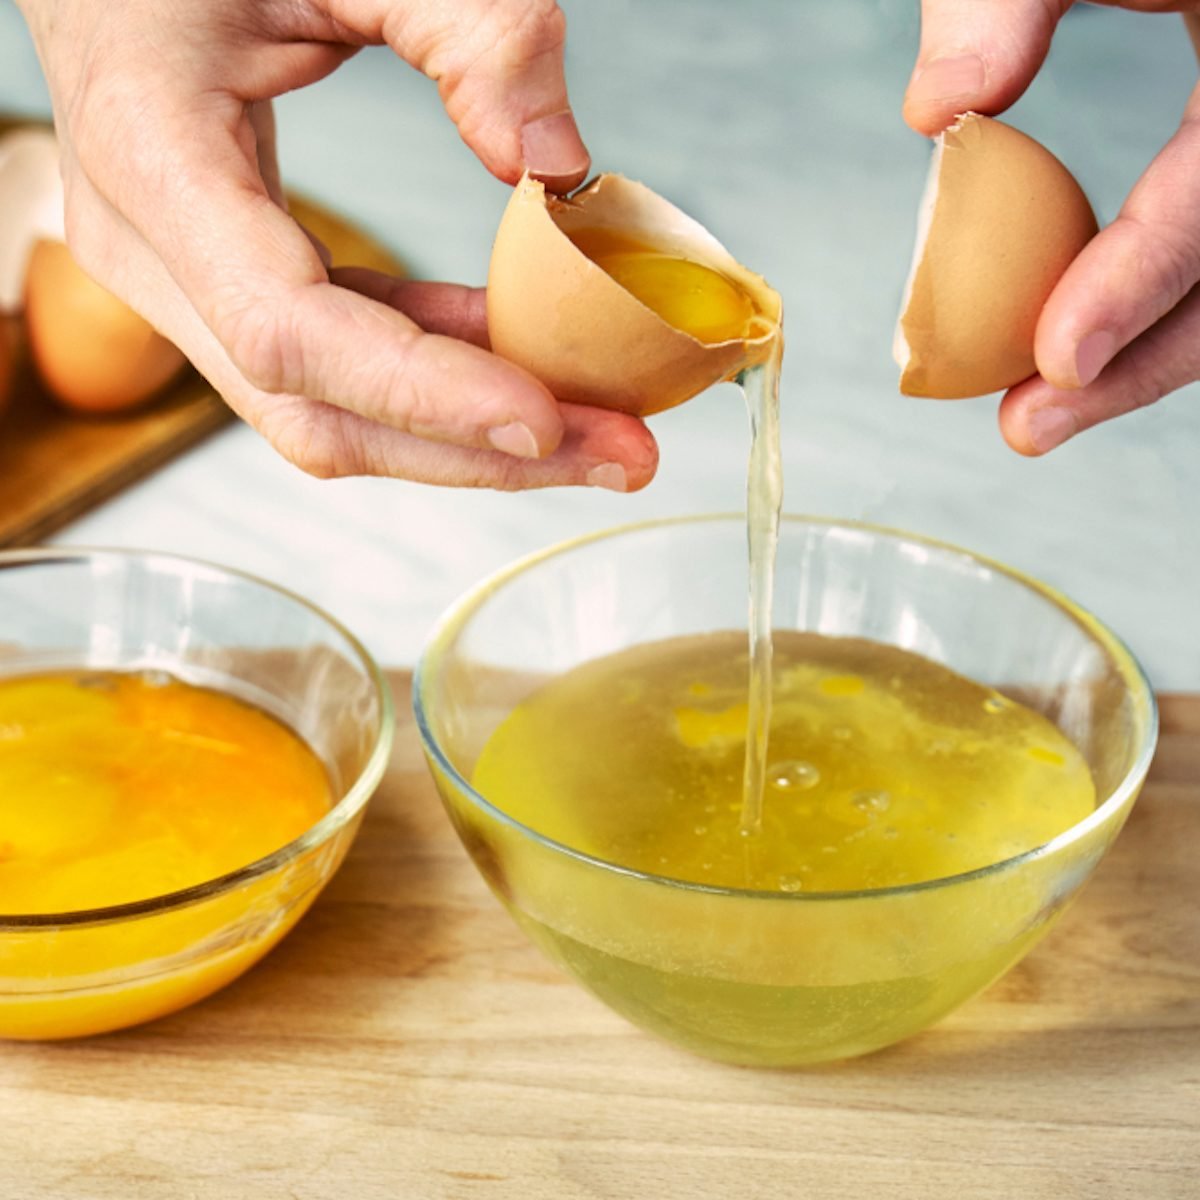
x,y
407,1043
55,465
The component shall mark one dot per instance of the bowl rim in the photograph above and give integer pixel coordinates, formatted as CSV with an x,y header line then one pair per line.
x,y
457,615
348,806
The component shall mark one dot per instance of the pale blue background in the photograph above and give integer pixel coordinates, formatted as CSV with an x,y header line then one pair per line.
x,y
776,123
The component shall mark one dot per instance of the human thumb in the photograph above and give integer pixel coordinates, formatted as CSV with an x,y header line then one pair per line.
x,y
499,68
977,55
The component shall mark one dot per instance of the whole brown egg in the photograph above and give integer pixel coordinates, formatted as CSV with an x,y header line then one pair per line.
x,y
92,352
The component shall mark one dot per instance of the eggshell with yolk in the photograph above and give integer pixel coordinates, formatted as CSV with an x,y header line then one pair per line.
x,y
556,313
1001,221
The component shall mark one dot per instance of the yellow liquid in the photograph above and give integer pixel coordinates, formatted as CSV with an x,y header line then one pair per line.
x,y
689,296
764,503
884,768
120,787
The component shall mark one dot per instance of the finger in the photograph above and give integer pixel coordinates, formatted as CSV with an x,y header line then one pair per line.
x,y
977,55
1191,22
261,114
1036,416
262,121
251,274
499,68
1133,272
462,312
445,308
598,449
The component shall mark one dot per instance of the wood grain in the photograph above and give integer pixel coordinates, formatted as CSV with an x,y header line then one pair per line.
x,y
407,1042
55,466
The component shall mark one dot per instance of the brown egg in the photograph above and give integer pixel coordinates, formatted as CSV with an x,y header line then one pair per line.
x,y
1000,222
669,313
91,350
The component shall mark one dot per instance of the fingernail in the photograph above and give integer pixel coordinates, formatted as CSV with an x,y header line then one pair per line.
x,y
514,438
554,152
608,475
1050,427
1094,354
958,78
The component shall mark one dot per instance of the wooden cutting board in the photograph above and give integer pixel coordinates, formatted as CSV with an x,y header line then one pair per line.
x,y
54,465
407,1043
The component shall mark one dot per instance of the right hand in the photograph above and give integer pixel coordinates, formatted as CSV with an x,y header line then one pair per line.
x,y
1122,327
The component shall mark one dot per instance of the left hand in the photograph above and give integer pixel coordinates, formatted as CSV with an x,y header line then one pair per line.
x,y
1122,327
174,203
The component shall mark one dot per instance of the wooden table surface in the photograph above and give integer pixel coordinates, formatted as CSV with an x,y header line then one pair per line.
x,y
406,1042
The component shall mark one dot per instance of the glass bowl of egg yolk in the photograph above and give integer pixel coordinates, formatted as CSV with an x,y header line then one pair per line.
x,y
185,756
952,749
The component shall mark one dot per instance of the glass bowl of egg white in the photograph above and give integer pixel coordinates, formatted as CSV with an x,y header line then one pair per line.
x,y
185,756
951,749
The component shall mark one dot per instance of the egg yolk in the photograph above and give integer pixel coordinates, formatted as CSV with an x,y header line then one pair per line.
x,y
688,296
118,787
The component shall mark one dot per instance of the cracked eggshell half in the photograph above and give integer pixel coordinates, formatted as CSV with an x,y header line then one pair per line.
x,y
31,205
1000,222
560,316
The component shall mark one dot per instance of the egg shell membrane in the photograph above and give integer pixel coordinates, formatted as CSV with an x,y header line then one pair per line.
x,y
556,313
1008,219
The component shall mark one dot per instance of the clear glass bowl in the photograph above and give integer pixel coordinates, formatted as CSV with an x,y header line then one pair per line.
x,y
76,973
771,978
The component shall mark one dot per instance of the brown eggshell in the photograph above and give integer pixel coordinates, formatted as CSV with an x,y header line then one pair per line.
x,y
1007,219
91,351
556,313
